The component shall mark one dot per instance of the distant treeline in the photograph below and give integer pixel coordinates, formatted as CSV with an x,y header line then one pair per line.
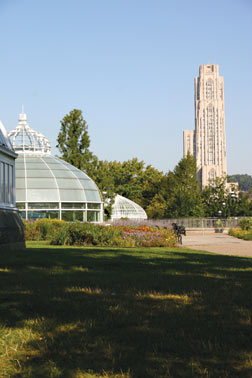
x,y
245,181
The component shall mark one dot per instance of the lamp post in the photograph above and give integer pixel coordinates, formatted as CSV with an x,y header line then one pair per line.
x,y
233,202
220,215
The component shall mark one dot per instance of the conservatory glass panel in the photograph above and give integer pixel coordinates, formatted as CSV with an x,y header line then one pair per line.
x,y
92,195
39,173
20,172
93,205
20,195
78,216
43,205
20,205
20,183
62,174
41,183
43,214
82,175
71,216
36,165
93,216
56,166
20,164
72,195
54,161
88,184
32,159
68,183
73,205
42,195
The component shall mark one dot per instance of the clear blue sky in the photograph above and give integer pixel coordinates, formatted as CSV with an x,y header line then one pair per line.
x,y
129,65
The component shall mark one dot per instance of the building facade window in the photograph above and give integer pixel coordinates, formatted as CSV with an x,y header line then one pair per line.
x,y
6,183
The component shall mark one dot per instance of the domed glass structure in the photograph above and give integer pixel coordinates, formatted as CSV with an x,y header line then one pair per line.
x,y
48,187
125,208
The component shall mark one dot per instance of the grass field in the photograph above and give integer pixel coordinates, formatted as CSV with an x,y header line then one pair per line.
x,y
128,313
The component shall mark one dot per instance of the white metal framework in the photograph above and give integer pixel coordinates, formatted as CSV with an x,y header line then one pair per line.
x,y
125,208
48,187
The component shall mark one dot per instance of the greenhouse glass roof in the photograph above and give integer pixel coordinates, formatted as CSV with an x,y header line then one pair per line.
x,y
47,186
125,208
49,179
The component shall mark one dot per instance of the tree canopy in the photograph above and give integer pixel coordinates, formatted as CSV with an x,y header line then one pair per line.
x,y
171,195
73,140
218,200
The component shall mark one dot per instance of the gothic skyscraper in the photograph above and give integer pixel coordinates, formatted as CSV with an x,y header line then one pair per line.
x,y
207,143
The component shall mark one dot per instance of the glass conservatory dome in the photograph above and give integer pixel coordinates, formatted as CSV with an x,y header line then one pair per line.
x,y
125,208
48,187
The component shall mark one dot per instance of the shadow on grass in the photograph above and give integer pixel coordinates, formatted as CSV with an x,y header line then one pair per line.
x,y
145,313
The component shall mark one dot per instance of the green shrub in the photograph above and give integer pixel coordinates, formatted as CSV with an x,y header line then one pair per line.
x,y
241,234
88,234
246,224
31,232
60,236
42,229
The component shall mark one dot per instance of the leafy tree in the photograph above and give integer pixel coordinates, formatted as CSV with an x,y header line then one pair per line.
x,y
218,200
183,190
73,141
157,206
242,205
151,181
214,197
130,179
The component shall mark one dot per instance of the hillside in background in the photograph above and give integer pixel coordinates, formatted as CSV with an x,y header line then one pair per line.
x,y
245,181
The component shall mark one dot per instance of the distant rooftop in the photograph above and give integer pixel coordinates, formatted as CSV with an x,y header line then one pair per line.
x,y
4,140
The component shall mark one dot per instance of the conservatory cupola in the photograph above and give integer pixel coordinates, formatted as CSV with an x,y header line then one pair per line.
x,y
25,139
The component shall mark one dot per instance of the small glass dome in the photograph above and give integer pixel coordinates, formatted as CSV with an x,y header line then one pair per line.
x,y
48,187
125,208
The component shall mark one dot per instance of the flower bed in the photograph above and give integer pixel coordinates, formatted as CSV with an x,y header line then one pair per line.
x,y
145,236
86,234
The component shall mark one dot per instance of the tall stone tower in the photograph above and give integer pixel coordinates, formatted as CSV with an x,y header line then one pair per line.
x,y
207,143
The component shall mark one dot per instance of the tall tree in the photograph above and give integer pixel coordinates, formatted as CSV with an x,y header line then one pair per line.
x,y
183,190
73,141
178,193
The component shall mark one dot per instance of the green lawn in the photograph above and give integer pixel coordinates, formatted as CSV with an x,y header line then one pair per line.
x,y
128,313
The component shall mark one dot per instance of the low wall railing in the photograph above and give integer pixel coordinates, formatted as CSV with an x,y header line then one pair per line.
x,y
189,223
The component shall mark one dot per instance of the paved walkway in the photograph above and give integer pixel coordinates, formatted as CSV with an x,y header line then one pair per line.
x,y
218,243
